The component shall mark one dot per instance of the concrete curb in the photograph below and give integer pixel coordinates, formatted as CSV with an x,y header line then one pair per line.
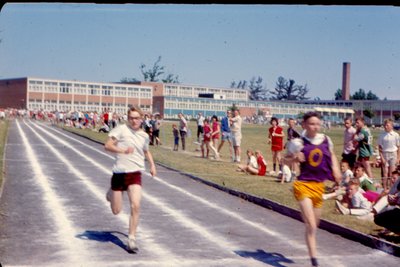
x,y
331,227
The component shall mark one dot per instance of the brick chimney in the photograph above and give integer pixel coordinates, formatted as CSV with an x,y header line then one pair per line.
x,y
346,81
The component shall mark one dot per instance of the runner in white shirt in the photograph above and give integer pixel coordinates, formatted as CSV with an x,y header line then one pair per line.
x,y
131,144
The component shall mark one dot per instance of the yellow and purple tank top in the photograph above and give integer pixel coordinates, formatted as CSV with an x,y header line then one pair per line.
x,y
318,162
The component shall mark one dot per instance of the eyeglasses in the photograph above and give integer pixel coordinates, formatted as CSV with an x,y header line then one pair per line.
x,y
133,118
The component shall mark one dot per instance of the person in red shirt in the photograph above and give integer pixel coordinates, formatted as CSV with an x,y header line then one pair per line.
x,y
275,138
262,164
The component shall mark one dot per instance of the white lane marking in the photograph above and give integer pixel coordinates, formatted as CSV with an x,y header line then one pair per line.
x,y
179,216
157,249
206,202
65,229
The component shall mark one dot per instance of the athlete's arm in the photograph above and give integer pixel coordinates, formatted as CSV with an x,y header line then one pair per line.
x,y
149,157
111,145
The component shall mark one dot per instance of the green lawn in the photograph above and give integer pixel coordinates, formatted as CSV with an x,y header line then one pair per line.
x,y
3,136
223,172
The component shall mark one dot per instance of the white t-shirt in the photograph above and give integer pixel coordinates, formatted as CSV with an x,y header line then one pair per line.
x,y
286,173
389,141
253,162
360,202
127,137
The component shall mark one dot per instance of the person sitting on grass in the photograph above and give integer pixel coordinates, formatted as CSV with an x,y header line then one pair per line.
x,y
340,190
286,175
262,164
366,183
251,166
387,213
357,204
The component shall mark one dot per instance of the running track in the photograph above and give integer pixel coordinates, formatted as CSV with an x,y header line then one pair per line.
x,y
54,213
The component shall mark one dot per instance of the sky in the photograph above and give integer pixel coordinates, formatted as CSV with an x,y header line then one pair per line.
x,y
209,45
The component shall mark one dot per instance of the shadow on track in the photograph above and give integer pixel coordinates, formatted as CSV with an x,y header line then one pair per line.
x,y
105,236
273,259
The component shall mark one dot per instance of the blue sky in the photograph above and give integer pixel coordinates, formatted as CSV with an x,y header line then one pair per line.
x,y
209,45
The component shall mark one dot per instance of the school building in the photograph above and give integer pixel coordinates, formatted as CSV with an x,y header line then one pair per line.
x,y
382,109
166,99
60,95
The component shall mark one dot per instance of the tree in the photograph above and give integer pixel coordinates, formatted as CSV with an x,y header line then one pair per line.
x,y
369,114
396,116
372,96
257,90
338,94
288,90
361,95
233,107
255,87
153,74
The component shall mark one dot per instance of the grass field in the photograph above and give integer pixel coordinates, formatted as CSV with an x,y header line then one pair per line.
x,y
3,136
223,172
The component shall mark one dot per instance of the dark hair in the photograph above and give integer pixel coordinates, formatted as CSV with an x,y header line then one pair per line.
x,y
359,165
348,119
311,114
214,117
274,119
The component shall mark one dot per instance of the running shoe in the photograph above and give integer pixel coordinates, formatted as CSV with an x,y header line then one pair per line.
x,y
132,247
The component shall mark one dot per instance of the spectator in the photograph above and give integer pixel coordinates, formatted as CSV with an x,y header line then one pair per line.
x,y
200,125
349,151
286,175
363,138
387,209
262,164
275,138
156,130
236,129
147,127
251,165
216,130
365,183
358,205
104,127
226,133
389,144
175,132
206,141
291,134
183,130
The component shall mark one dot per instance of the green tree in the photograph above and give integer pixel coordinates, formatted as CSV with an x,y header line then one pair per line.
x,y
289,90
369,114
359,95
362,95
396,116
338,94
372,96
233,107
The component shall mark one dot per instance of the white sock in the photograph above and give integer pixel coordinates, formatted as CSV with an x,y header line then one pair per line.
x,y
131,237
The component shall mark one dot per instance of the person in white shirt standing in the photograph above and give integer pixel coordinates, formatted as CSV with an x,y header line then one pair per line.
x,y
131,144
389,144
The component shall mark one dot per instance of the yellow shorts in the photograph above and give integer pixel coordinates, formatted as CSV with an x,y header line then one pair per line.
x,y
312,190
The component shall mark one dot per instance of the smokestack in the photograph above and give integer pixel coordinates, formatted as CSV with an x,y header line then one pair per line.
x,y
346,81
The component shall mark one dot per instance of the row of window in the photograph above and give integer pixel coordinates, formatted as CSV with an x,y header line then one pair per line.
x,y
186,91
89,89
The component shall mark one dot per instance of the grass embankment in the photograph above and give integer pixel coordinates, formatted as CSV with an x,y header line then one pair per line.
x,y
223,172
3,136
